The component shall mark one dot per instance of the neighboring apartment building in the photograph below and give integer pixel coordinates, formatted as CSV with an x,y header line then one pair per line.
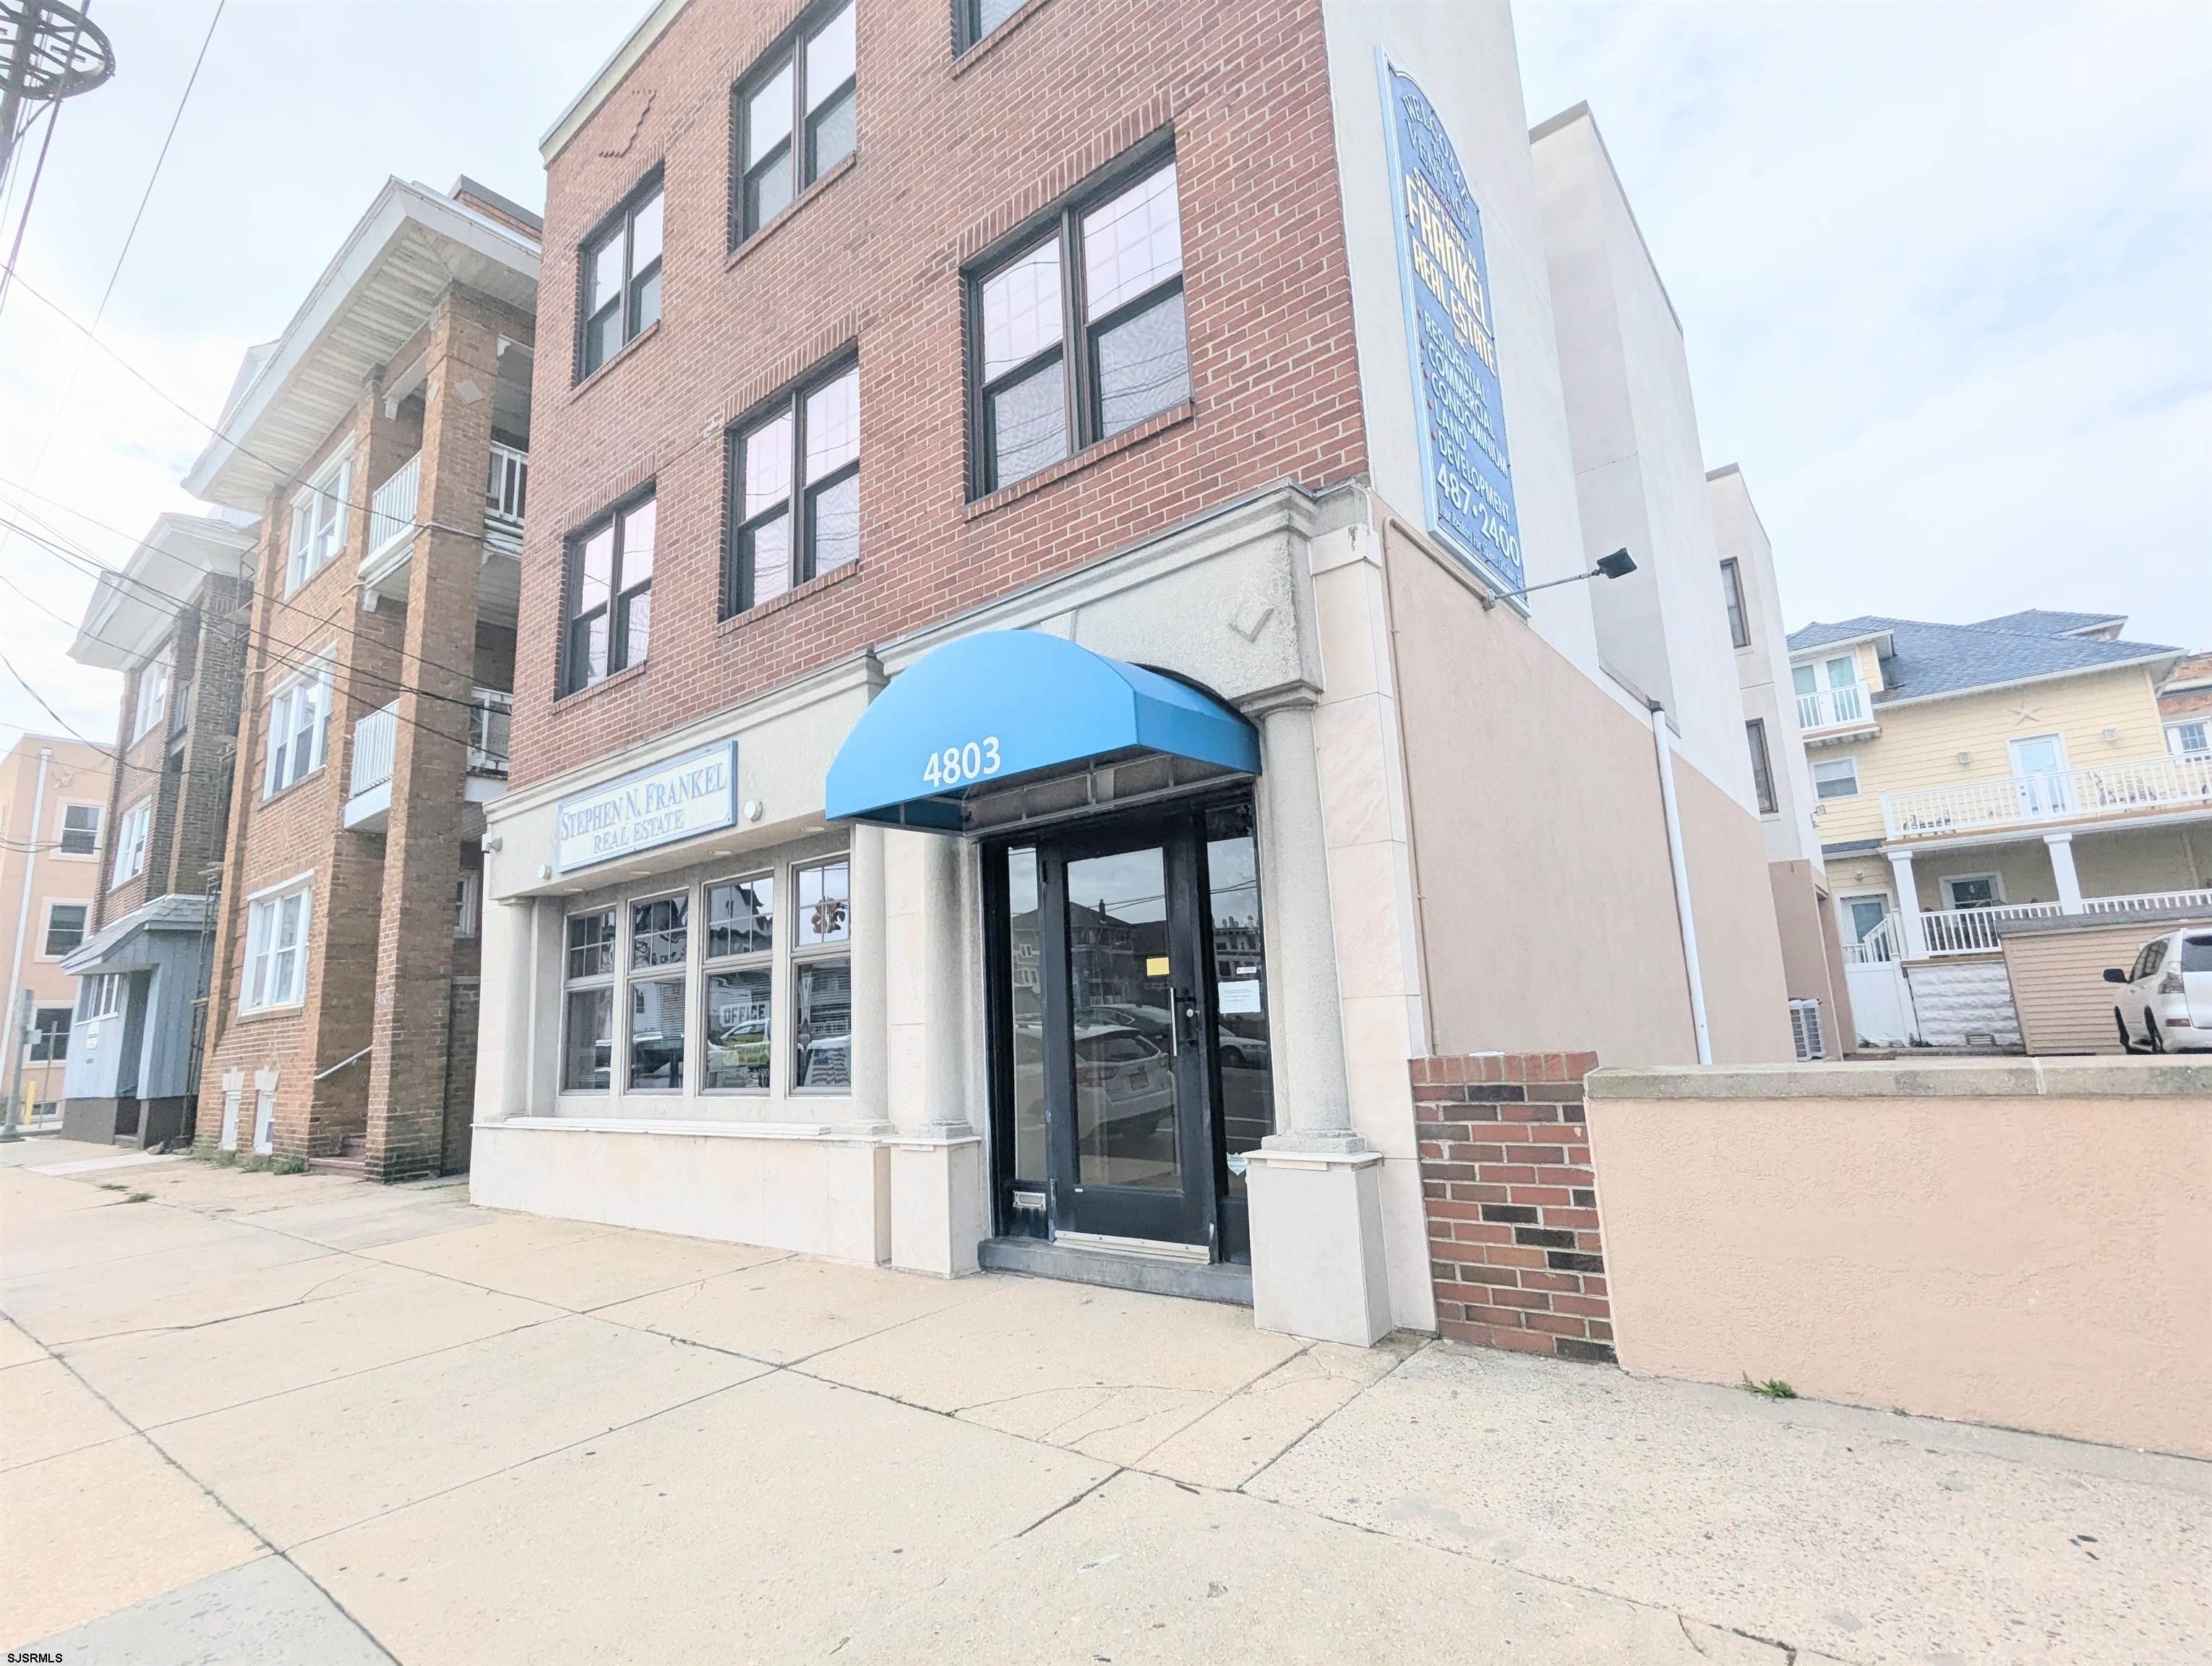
x,y
1970,778
54,810
2184,705
1020,755
1782,775
172,620
383,439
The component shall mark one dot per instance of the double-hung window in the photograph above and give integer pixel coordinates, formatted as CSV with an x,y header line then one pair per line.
x,y
299,723
659,991
620,291
276,947
2189,739
1836,778
822,976
1732,599
1762,766
1079,334
80,829
153,693
794,492
319,521
50,1033
610,595
740,973
64,927
587,1019
130,841
794,118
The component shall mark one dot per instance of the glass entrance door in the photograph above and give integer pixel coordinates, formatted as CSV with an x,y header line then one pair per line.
x,y
1133,1067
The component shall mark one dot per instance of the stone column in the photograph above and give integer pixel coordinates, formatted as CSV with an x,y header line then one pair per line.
x,y
871,945
2060,846
1908,905
936,1177
429,771
1315,1186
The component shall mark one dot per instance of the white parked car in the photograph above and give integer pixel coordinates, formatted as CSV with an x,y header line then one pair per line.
x,y
2165,1000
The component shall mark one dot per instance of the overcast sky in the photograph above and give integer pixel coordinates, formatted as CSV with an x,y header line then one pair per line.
x,y
1943,272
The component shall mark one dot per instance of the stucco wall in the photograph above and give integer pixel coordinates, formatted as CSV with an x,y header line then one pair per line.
x,y
2019,1244
1812,953
1747,999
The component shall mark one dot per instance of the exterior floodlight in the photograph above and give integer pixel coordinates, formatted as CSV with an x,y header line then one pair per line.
x,y
1618,565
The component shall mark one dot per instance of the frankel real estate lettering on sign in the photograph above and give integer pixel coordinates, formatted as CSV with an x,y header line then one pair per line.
x,y
695,793
1467,476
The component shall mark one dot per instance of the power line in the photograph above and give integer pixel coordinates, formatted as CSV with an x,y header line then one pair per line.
x,y
22,224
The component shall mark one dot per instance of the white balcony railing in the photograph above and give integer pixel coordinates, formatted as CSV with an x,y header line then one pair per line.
x,y
1974,931
488,726
1826,708
1948,932
507,496
1879,946
373,738
392,510
2144,786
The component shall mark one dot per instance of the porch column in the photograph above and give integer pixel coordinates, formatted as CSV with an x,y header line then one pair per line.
x,y
1908,905
936,1181
1315,1187
871,1090
2060,846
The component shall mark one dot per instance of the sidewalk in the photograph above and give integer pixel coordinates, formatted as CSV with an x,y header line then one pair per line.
x,y
300,1418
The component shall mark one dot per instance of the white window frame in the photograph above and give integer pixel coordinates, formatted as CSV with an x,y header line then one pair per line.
x,y
802,954
134,834
611,981
47,931
265,919
629,974
43,1035
2176,733
99,996
313,684
1851,763
319,511
154,679
62,829
1951,882
466,892
750,960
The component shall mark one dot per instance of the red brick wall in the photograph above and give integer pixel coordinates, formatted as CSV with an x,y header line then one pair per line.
x,y
950,155
1514,1246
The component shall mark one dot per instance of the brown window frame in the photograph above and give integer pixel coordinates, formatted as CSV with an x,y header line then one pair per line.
x,y
799,501
618,595
799,145
621,222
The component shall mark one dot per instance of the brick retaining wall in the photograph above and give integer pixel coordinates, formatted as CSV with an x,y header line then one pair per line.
x,y
1514,1244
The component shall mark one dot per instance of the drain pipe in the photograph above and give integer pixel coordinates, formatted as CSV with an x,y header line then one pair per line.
x,y
1675,860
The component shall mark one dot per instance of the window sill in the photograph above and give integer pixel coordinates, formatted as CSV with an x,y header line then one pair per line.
x,y
622,355
1127,439
627,674
289,1009
289,787
736,624
117,885
980,50
789,211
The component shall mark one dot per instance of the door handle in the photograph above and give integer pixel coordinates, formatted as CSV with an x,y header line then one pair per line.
x,y
1184,1030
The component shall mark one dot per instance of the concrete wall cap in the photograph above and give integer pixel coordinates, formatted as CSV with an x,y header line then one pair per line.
x,y
1931,1079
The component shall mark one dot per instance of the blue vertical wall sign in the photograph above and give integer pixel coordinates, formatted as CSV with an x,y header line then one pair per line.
x,y
1466,474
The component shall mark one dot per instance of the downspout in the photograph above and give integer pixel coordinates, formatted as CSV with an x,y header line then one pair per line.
x,y
1676,861
30,872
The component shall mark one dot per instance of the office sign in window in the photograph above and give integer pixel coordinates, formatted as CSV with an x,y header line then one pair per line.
x,y
1467,473
691,795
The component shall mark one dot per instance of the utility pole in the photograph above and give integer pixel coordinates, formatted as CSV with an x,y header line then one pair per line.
x,y
53,50
19,1035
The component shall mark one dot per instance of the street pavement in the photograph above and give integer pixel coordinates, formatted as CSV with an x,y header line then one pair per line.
x,y
265,1418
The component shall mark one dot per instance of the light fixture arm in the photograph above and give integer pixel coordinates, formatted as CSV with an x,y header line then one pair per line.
x,y
1617,565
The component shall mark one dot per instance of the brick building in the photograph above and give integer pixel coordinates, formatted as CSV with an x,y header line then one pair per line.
x,y
172,620
1026,724
383,440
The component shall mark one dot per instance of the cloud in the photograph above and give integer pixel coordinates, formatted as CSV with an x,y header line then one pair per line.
x,y
1943,272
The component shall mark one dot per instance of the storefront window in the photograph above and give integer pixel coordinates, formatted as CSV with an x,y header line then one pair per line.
x,y
1025,984
821,977
1240,987
659,937
587,1022
740,914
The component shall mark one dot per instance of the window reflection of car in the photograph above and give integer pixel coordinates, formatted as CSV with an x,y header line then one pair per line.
x,y
656,1059
1125,1083
826,1061
1236,1050
734,1046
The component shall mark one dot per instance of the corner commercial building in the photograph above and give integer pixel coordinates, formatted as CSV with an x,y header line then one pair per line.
x,y
383,439
1019,755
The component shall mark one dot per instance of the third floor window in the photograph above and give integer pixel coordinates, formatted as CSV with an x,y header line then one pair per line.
x,y
795,118
794,492
1079,335
620,291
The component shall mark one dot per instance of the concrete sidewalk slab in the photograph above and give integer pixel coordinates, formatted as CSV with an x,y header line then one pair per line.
x,y
791,1308
94,1530
162,1290
1860,1533
37,1149
109,1229
291,1623
17,1347
360,1316
1144,1571
302,1464
1241,1435
347,1220
215,1189
136,1159
46,1411
750,1526
582,1268
27,1197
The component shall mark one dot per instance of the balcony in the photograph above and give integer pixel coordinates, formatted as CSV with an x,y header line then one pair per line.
x,y
1844,708
375,743
392,516
2110,792
395,508
1948,934
507,491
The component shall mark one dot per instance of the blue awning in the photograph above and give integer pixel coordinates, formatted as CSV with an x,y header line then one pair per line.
x,y
979,711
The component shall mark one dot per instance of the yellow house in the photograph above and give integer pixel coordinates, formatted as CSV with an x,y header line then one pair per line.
x,y
1967,777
